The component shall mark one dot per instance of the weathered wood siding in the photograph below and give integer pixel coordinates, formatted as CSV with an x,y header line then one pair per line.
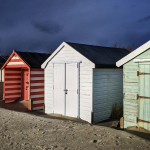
x,y
86,73
107,90
130,90
37,88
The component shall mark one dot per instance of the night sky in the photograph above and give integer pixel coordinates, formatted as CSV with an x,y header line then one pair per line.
x,y
42,25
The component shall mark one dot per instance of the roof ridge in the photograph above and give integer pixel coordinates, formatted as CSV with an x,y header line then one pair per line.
x,y
96,45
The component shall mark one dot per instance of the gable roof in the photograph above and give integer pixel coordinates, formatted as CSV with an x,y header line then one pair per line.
x,y
99,55
32,59
133,54
3,59
102,57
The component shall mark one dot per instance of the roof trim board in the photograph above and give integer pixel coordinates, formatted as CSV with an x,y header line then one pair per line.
x,y
44,65
133,54
5,64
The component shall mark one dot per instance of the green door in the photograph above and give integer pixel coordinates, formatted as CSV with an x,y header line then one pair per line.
x,y
144,95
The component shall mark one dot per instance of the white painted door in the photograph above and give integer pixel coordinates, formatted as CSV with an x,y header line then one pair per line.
x,y
59,88
72,87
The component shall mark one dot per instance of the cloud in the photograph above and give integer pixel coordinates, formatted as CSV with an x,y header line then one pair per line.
x,y
47,27
144,19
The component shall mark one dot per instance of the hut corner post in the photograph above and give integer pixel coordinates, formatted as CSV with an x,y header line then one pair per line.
x,y
91,117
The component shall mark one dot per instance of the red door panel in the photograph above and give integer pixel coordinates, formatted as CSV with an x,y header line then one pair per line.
x,y
25,84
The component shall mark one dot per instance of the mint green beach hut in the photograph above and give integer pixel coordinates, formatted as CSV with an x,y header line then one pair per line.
x,y
136,87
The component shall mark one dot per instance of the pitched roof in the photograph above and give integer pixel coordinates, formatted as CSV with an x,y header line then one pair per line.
x,y
3,59
133,54
33,59
102,57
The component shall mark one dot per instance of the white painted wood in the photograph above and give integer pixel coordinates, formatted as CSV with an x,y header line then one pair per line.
x,y
17,95
141,60
106,92
65,62
38,102
6,71
58,88
67,53
37,90
36,96
133,54
72,87
37,84
15,57
37,78
37,72
12,91
16,63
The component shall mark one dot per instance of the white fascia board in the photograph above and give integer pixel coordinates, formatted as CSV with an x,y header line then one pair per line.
x,y
133,54
52,55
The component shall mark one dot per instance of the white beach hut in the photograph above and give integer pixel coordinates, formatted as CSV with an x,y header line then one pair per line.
x,y
83,81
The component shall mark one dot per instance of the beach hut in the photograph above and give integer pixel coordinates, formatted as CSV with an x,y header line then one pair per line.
x,y
136,87
82,81
23,77
2,61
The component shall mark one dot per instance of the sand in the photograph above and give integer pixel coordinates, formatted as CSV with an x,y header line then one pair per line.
x,y
36,131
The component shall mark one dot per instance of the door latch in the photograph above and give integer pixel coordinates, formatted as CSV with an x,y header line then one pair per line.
x,y
65,91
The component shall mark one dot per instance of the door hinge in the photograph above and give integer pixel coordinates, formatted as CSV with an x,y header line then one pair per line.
x,y
77,91
137,73
77,65
137,96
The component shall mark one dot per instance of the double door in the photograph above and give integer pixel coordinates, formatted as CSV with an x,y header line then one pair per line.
x,y
65,89
144,95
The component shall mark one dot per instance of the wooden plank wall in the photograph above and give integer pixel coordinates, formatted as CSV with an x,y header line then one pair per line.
x,y
86,84
37,88
12,84
107,91
130,90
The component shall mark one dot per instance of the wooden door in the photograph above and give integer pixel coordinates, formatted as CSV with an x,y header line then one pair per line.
x,y
144,95
25,84
72,90
66,89
59,95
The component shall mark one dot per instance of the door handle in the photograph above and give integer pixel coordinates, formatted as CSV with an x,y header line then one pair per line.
x,y
65,91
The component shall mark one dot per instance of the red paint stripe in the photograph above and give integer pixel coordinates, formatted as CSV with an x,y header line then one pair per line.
x,y
37,87
9,94
15,66
12,79
13,69
12,74
13,98
37,93
37,75
10,84
37,69
37,81
38,105
10,89
37,99
15,60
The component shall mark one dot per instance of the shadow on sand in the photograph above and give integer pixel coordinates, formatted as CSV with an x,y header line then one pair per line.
x,y
22,106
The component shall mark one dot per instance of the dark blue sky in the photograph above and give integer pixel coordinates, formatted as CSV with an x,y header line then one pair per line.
x,y
41,25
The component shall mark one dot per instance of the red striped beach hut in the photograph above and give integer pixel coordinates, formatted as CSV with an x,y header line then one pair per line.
x,y
23,77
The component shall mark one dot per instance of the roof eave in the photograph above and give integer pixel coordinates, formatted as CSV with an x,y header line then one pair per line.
x,y
133,54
